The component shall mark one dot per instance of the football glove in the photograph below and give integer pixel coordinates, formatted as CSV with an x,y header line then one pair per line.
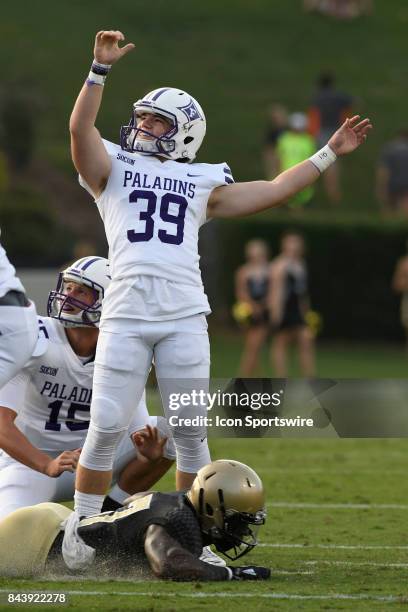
x,y
250,572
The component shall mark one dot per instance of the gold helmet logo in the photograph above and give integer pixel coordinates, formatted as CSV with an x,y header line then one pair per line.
x,y
229,499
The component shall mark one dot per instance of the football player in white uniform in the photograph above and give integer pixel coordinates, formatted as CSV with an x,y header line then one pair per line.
x,y
44,409
153,201
18,322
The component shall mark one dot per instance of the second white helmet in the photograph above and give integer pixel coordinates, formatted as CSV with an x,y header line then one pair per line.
x,y
187,125
93,272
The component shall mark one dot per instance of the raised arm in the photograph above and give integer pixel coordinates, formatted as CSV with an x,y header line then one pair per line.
x,y
88,152
242,199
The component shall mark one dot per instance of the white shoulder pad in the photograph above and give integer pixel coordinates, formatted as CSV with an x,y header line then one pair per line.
x,y
218,174
112,149
85,185
42,340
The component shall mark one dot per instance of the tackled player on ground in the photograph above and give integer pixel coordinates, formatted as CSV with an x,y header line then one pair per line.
x,y
159,532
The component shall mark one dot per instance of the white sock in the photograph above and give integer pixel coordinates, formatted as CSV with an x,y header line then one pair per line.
x,y
118,494
86,504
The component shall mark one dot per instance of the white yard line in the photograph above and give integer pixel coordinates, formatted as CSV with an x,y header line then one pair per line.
x,y
330,506
226,594
334,546
293,573
355,563
333,470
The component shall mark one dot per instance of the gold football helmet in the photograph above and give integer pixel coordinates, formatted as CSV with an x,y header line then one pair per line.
x,y
229,499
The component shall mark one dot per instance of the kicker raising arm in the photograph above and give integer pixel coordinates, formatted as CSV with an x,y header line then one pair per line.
x,y
88,152
242,199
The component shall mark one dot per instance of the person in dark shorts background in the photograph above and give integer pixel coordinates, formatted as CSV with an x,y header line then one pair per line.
x,y
329,108
288,301
252,281
400,285
277,125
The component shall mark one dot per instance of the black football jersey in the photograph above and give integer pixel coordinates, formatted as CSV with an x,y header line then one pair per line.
x,y
120,535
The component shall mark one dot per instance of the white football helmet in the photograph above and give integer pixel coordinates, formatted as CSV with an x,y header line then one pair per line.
x,y
188,125
90,271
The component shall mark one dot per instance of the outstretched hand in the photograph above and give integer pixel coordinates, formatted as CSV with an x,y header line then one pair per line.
x,y
350,135
107,50
149,443
65,462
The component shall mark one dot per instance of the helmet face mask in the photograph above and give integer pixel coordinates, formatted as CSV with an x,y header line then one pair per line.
x,y
153,145
239,534
187,126
229,499
91,272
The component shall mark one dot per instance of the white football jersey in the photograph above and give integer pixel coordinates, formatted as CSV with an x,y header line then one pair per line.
x,y
152,211
8,278
52,393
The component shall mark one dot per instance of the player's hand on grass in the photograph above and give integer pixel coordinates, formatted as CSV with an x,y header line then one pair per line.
x,y
350,135
250,572
107,50
149,443
65,462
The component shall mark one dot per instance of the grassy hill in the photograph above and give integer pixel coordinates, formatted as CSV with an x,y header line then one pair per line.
x,y
236,57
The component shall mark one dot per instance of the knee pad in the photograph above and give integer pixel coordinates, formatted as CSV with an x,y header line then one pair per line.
x,y
108,415
99,449
192,453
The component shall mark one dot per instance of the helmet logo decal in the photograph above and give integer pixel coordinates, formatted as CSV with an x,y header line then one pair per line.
x,y
190,111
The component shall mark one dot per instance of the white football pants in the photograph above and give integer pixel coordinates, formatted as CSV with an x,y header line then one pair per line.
x,y
125,351
18,337
20,486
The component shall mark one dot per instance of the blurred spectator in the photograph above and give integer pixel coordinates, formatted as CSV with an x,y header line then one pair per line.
x,y
278,123
251,290
329,109
400,285
294,146
392,175
340,9
81,248
289,303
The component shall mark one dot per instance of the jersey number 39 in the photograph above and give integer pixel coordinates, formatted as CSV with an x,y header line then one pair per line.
x,y
168,217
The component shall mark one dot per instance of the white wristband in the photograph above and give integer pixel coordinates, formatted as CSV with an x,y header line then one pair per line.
x,y
98,73
323,158
96,79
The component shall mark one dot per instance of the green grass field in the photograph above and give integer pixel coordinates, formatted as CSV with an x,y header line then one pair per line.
x,y
334,360
336,537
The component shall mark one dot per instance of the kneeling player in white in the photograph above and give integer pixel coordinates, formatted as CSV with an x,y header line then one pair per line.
x,y
44,410
18,322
